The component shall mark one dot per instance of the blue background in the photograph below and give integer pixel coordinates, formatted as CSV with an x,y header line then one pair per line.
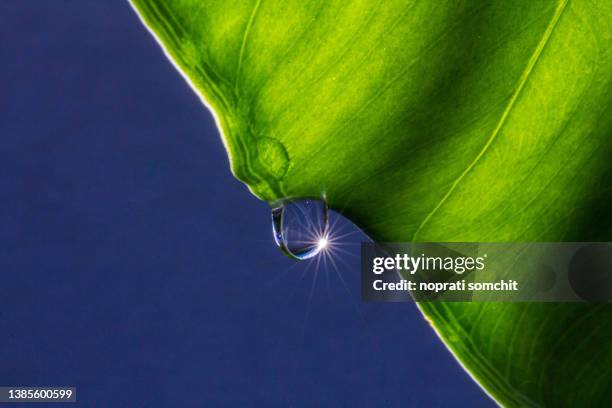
x,y
135,267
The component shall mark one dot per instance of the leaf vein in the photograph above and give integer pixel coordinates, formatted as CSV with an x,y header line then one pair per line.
x,y
519,88
245,37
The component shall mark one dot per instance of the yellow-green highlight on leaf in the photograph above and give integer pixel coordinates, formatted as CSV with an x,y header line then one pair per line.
x,y
429,121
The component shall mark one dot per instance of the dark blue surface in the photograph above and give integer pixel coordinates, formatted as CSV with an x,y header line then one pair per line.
x,y
135,267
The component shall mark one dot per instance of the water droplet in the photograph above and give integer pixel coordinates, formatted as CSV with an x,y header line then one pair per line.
x,y
300,227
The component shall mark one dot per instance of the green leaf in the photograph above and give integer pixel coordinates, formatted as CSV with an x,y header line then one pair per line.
x,y
429,121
